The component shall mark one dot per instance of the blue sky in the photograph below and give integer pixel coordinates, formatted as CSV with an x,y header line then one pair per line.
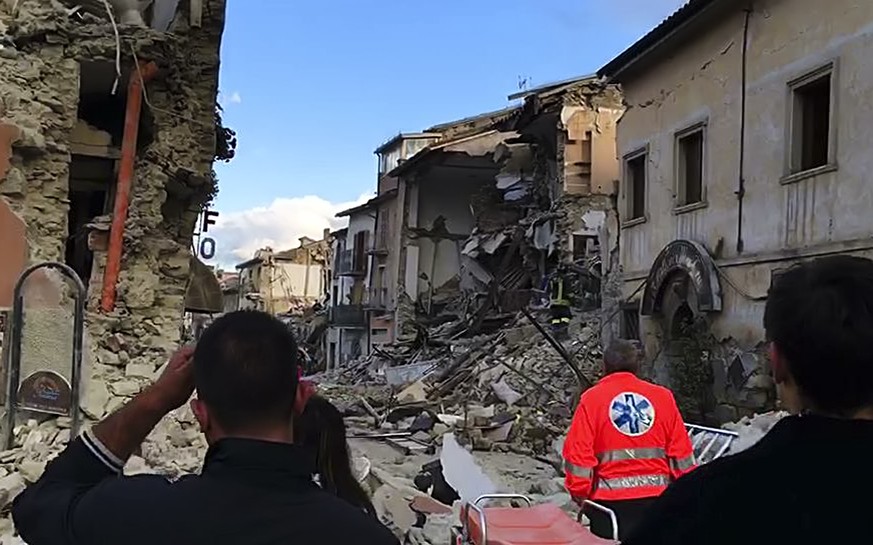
x,y
314,86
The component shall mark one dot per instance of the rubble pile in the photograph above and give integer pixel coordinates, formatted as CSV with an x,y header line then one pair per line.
x,y
507,391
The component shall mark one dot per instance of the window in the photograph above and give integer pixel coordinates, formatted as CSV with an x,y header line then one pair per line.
x,y
811,121
689,163
411,147
360,252
389,160
630,322
635,185
585,246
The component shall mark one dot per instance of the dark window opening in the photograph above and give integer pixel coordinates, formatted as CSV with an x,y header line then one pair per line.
x,y
585,247
90,194
102,110
636,185
630,323
812,113
691,168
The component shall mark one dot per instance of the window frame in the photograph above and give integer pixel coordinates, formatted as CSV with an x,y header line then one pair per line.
x,y
679,206
793,129
627,194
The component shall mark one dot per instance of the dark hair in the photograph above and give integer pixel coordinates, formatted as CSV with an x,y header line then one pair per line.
x,y
622,356
321,427
245,370
819,314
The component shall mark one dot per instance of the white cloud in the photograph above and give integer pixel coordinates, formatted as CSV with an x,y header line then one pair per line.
x,y
233,98
278,225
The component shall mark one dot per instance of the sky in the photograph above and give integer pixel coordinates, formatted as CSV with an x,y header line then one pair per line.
x,y
312,87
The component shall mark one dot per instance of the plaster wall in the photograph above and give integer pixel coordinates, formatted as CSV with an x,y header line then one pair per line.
x,y
785,217
449,198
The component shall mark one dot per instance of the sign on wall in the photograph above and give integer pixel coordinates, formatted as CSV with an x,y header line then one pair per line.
x,y
204,245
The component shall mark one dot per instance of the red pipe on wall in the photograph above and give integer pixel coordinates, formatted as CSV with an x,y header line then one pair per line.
x,y
138,79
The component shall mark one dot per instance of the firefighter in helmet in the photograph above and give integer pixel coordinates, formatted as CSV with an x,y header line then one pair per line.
x,y
559,304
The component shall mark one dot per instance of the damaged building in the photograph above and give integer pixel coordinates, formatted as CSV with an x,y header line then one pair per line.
x,y
490,206
108,133
287,282
741,155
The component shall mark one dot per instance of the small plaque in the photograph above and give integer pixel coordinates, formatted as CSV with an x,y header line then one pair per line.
x,y
45,392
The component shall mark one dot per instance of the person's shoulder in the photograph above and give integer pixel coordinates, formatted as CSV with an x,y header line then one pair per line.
x,y
351,520
718,478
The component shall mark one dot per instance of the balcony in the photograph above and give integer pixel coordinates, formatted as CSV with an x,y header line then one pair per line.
x,y
350,263
377,299
352,316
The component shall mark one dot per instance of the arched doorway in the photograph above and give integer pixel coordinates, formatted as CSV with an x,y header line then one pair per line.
x,y
682,289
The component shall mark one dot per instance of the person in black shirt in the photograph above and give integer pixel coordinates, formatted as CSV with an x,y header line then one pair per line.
x,y
807,480
256,486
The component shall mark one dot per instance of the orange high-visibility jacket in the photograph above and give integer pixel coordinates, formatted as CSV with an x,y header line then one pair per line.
x,y
627,441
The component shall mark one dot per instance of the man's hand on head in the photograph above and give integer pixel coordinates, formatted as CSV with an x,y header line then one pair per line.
x,y
174,386
122,432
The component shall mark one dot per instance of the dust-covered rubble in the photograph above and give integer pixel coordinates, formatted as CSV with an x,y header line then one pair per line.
x,y
176,448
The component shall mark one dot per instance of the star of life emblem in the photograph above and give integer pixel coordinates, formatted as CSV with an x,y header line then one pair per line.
x,y
631,413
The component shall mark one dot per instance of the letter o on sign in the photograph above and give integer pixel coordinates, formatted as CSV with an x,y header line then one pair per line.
x,y
207,248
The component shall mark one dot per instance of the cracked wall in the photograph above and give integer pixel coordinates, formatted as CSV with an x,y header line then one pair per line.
x,y
785,217
39,95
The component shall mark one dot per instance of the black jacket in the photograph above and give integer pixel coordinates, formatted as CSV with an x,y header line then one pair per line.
x,y
806,482
249,492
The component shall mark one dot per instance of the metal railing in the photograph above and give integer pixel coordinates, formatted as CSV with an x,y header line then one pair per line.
x,y
348,316
349,263
709,443
377,298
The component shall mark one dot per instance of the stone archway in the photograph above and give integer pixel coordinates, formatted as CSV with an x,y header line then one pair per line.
x,y
682,290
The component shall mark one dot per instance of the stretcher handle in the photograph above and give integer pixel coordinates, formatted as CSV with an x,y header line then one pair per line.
x,y
613,520
480,511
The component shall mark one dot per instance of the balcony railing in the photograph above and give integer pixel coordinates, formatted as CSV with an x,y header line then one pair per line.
x,y
348,263
348,316
377,298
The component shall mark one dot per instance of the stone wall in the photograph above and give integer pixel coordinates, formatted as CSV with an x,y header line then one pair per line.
x,y
39,96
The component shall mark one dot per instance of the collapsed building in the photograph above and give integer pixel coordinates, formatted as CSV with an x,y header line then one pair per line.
x,y
485,211
286,282
108,134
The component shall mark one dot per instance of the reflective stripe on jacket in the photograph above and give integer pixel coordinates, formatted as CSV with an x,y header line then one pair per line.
x,y
627,441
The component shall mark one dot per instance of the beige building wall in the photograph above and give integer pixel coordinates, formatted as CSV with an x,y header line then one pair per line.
x,y
785,216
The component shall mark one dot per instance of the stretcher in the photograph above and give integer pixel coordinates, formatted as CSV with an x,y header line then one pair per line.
x,y
547,524
544,524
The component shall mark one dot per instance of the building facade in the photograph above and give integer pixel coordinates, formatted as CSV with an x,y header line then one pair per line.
x,y
743,151
348,334
116,202
287,282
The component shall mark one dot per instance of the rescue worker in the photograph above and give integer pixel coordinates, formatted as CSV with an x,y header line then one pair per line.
x,y
808,480
626,444
559,306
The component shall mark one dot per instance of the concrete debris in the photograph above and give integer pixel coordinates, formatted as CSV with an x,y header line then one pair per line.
x,y
461,471
751,430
